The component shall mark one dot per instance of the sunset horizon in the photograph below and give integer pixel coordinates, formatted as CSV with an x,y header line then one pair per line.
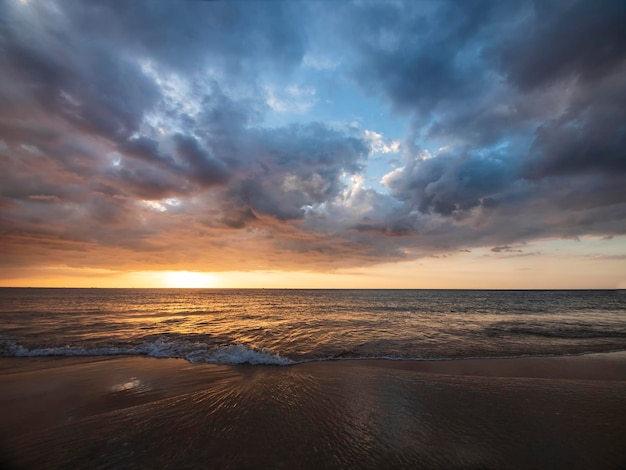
x,y
457,271
254,144
313,234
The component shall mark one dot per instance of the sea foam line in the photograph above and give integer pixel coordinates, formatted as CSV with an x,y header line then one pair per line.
x,y
198,353
193,352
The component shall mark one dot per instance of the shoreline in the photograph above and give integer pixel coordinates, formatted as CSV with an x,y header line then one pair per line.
x,y
584,366
480,366
142,412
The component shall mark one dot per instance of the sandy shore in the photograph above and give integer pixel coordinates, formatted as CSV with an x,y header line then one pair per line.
x,y
135,412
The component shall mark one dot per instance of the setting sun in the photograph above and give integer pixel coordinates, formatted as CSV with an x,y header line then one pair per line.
x,y
347,234
189,279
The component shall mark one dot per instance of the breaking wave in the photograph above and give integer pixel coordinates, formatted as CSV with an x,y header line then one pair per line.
x,y
194,352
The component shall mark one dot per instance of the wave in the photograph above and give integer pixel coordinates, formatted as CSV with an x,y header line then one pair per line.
x,y
197,352
194,352
559,332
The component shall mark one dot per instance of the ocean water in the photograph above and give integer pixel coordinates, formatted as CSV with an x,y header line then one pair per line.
x,y
283,327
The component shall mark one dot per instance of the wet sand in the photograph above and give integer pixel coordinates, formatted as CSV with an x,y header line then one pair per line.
x,y
135,412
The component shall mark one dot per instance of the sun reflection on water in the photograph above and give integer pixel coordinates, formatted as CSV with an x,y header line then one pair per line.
x,y
130,385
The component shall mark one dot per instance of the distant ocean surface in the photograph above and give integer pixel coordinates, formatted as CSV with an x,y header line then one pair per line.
x,y
289,326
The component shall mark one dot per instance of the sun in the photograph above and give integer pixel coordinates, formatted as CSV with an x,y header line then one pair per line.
x,y
188,279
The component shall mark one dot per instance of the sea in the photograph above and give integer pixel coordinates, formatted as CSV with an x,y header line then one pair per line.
x,y
283,327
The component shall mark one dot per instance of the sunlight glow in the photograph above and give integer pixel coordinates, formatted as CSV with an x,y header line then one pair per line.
x,y
188,279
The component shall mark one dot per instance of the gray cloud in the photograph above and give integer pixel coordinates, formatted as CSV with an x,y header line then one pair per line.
x,y
566,39
200,164
588,138
505,249
143,125
419,54
451,184
527,99
285,169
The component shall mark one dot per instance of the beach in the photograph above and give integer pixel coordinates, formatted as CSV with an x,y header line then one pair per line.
x,y
138,412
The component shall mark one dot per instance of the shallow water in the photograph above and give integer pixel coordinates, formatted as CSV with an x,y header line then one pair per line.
x,y
290,326
142,413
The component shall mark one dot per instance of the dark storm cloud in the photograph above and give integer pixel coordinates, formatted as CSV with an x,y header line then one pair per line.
x,y
147,150
287,168
236,35
201,165
134,179
83,61
587,138
526,97
141,125
420,54
449,184
577,39
579,47
87,83
100,141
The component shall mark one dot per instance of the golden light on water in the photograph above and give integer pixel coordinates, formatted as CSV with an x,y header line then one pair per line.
x,y
188,279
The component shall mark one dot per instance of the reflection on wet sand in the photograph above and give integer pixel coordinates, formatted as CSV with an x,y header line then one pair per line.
x,y
149,413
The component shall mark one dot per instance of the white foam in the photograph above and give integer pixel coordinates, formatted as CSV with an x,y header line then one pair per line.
x,y
194,352
199,352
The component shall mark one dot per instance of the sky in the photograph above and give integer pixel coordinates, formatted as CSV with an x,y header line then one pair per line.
x,y
417,144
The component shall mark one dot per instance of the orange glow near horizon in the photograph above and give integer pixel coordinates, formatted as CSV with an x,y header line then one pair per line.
x,y
430,273
566,265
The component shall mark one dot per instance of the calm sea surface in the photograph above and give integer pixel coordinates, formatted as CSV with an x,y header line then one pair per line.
x,y
289,326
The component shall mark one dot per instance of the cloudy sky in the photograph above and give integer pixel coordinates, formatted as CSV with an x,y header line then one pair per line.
x,y
313,144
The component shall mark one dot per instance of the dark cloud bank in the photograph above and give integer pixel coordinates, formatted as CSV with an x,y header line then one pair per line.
x,y
133,132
